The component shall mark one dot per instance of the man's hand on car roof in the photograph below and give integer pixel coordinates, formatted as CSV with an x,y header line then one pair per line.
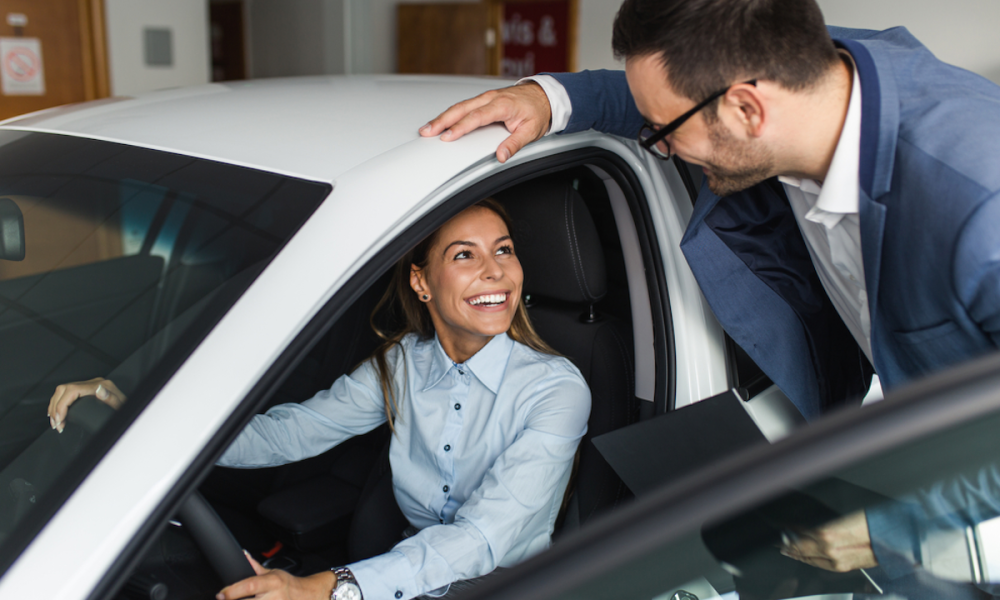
x,y
523,109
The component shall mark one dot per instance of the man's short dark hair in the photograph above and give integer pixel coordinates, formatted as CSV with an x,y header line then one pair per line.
x,y
707,45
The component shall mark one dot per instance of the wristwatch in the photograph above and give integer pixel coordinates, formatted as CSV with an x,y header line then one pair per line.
x,y
346,587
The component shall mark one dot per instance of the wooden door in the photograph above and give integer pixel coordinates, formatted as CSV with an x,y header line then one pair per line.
x,y
447,38
228,47
73,55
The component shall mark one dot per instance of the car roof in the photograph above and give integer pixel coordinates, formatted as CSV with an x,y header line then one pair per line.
x,y
310,127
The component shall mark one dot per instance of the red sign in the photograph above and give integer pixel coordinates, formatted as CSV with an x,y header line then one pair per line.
x,y
535,37
21,64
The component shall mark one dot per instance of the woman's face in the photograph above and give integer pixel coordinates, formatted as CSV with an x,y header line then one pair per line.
x,y
473,280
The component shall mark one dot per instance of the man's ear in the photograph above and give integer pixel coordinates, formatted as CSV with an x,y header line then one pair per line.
x,y
417,279
746,108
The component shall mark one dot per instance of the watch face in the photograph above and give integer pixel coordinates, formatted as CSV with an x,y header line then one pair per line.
x,y
347,591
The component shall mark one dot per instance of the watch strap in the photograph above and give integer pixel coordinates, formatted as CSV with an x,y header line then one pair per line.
x,y
345,580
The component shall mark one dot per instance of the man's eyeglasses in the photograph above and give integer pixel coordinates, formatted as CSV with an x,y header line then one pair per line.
x,y
650,137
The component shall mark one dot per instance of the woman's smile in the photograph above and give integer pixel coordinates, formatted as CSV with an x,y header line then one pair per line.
x,y
490,301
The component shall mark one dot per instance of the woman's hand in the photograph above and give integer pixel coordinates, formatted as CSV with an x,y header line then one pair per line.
x,y
275,584
68,393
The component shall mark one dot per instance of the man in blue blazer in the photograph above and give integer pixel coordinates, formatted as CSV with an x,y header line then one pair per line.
x,y
851,211
927,212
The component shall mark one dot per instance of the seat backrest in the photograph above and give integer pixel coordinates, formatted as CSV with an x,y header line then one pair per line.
x,y
560,251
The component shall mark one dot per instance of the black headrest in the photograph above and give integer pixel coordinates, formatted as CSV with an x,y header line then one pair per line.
x,y
556,241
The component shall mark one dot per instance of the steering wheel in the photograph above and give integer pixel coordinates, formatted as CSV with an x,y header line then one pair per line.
x,y
214,539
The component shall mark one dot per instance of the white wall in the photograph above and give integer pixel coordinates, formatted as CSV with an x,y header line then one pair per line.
x,y
961,32
297,37
126,19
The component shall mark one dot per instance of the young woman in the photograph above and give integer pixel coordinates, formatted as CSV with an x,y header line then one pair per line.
x,y
486,419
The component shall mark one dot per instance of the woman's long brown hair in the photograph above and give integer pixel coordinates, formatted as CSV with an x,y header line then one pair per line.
x,y
417,318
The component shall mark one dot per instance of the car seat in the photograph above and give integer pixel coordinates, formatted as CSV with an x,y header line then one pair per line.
x,y
558,245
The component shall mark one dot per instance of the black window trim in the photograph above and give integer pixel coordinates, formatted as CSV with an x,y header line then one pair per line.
x,y
614,165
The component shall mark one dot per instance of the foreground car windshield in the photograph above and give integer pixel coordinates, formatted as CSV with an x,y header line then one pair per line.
x,y
918,522
115,262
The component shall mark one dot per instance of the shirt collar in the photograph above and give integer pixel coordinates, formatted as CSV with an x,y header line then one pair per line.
x,y
488,365
839,192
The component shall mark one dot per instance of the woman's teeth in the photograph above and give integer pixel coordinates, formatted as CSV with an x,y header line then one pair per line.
x,y
489,300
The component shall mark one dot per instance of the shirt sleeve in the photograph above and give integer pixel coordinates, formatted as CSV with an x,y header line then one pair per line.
x,y
961,501
559,102
292,432
521,483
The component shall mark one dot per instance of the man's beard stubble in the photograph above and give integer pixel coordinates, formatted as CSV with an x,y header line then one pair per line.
x,y
747,164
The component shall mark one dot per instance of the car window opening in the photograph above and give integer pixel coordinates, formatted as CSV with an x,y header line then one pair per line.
x,y
287,514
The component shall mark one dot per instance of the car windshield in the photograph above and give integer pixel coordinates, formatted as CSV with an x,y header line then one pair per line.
x,y
115,262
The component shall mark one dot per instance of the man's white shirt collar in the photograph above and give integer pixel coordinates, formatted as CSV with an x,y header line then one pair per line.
x,y
838,194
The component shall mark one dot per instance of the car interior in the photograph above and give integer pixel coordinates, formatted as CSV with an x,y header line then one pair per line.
x,y
338,507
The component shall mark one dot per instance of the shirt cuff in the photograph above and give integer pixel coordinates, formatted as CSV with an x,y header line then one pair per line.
x,y
385,577
894,538
559,101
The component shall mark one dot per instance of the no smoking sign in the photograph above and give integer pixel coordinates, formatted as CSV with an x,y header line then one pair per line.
x,y
21,67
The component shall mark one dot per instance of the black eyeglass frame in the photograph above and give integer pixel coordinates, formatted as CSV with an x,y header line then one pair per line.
x,y
655,136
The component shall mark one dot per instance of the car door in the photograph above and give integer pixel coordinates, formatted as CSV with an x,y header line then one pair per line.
x,y
918,473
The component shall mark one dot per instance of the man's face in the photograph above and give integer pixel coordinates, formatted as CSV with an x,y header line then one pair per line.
x,y
730,163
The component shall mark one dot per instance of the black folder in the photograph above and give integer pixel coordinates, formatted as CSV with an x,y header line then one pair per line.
x,y
682,441
663,449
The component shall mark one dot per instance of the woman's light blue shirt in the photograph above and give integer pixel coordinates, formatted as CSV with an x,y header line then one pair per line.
x,y
480,456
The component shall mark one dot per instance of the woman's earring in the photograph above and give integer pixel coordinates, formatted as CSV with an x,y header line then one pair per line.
x,y
425,297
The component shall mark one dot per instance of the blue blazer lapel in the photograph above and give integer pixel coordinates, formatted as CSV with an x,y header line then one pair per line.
x,y
879,134
872,223
879,121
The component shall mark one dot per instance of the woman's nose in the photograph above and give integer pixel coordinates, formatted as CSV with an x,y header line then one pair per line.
x,y
492,269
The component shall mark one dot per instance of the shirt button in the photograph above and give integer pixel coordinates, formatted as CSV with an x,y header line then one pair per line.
x,y
458,406
461,372
445,489
447,447
399,594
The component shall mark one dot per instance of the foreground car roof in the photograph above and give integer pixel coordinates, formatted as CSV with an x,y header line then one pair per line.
x,y
269,124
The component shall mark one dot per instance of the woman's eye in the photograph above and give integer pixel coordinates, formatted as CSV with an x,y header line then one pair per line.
x,y
463,254
505,250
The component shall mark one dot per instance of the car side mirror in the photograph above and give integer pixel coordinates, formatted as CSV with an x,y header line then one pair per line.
x,y
11,231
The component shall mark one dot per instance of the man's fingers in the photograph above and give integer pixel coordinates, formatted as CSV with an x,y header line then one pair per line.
x,y
520,136
454,114
523,109
494,112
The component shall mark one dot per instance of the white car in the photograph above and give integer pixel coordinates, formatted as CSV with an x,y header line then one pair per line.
x,y
196,246
217,250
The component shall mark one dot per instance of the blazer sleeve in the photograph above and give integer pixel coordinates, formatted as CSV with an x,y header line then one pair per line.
x,y
602,101
977,268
